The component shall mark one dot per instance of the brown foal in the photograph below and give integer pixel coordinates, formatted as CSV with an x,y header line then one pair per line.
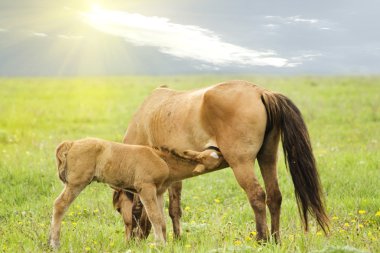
x,y
143,170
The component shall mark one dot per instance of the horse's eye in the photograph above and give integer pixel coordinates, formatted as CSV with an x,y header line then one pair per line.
x,y
118,209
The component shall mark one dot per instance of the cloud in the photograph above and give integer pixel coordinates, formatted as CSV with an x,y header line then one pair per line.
x,y
276,22
3,30
183,41
304,57
38,34
297,19
292,20
70,37
271,26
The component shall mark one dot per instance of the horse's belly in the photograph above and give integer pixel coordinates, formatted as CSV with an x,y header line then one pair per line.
x,y
191,136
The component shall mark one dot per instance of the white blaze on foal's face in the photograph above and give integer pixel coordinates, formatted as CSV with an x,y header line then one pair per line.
x,y
214,155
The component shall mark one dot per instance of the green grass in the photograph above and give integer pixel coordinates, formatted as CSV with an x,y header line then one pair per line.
x,y
343,116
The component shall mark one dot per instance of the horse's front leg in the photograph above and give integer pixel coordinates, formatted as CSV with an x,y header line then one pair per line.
x,y
175,211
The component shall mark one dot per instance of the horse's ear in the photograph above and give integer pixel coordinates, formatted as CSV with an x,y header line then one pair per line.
x,y
191,154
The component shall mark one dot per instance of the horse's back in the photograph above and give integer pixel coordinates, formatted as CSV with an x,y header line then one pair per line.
x,y
193,119
168,117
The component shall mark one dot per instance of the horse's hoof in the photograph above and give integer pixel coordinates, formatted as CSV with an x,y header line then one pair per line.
x,y
262,239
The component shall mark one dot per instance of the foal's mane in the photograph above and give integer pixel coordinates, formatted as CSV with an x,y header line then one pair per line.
x,y
167,153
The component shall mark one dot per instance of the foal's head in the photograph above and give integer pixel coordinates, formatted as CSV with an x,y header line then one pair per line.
x,y
209,158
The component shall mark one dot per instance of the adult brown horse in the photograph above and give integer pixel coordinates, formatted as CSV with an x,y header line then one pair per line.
x,y
245,122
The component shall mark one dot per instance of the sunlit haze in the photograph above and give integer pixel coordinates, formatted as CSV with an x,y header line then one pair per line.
x,y
84,37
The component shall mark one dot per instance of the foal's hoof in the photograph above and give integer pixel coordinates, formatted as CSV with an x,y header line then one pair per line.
x,y
157,244
54,244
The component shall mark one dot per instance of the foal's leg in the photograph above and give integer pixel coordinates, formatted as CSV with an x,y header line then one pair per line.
x,y
175,211
141,223
267,159
133,213
161,203
61,204
124,207
148,196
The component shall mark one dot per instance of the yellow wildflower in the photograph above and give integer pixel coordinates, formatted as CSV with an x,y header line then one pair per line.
x,y
377,213
217,200
248,238
334,218
73,223
346,224
253,233
362,211
87,249
187,208
96,211
187,246
319,233
361,226
152,245
112,244
237,242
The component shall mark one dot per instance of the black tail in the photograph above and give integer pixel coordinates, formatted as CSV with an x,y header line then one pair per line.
x,y
299,157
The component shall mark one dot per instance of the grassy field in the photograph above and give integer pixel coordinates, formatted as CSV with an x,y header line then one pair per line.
x,y
343,116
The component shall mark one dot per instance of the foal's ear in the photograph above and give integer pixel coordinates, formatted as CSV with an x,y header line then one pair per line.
x,y
191,154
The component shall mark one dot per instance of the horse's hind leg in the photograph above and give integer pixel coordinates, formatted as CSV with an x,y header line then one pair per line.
x,y
61,205
175,211
247,179
241,159
267,159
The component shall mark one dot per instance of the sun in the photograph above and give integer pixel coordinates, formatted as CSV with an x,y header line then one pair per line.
x,y
96,16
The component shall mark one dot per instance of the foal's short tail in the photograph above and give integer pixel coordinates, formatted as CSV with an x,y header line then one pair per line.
x,y
299,158
61,155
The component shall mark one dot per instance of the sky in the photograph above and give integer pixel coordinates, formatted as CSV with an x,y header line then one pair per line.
x,y
121,37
